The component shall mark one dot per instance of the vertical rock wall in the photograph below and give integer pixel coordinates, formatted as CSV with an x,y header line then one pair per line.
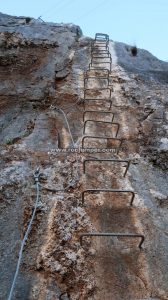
x,y
42,69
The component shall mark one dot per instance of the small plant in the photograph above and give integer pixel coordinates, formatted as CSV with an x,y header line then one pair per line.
x,y
28,20
9,141
134,51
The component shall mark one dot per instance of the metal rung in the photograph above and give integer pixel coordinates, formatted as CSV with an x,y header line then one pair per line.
x,y
94,61
95,191
105,122
100,45
111,234
99,99
101,39
95,54
94,77
102,35
97,90
95,99
102,138
99,52
108,160
101,112
101,57
97,49
99,42
91,66
98,70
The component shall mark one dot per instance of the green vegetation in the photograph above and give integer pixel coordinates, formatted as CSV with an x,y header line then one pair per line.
x,y
9,142
134,51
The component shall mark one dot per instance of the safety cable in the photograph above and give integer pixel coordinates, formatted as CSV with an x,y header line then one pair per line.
x,y
70,106
60,6
51,9
72,109
36,178
61,110
91,11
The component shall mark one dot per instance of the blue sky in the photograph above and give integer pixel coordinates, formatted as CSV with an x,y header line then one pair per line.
x,y
140,22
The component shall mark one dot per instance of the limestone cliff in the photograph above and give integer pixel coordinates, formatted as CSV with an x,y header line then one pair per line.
x,y
42,69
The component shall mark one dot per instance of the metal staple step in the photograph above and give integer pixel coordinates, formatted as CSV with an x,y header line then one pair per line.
x,y
98,112
112,234
96,191
104,122
107,160
103,138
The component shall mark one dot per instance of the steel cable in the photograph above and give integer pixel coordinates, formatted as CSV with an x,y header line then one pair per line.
x,y
52,11
53,7
91,11
36,177
70,106
61,110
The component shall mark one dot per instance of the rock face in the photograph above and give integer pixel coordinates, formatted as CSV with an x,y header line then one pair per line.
x,y
41,99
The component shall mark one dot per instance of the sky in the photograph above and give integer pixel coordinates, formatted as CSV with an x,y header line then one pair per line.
x,y
143,23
